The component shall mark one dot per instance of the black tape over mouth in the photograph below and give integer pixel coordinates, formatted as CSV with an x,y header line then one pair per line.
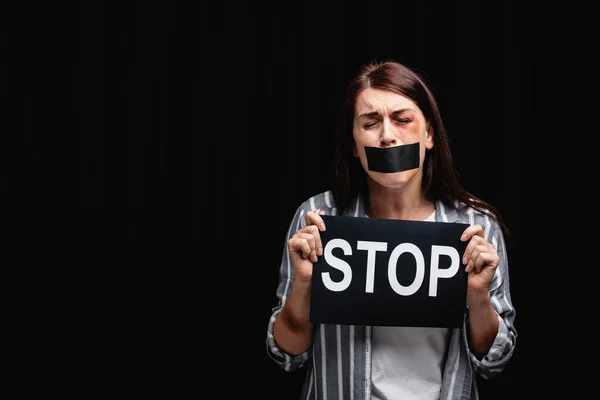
x,y
393,159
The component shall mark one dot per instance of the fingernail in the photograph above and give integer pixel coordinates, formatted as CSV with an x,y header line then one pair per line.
x,y
322,226
320,251
463,237
465,261
313,258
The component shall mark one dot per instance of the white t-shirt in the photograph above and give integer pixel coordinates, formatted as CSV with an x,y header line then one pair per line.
x,y
407,362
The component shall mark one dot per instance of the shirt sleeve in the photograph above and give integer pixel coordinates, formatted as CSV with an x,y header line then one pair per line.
x,y
503,346
286,361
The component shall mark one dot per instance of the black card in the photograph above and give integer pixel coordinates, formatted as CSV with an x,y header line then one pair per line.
x,y
389,273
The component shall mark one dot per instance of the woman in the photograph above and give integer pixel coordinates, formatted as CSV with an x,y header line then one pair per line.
x,y
389,107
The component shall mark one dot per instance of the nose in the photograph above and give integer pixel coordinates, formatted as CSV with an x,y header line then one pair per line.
x,y
387,137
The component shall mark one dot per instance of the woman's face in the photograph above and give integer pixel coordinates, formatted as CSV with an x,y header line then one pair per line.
x,y
384,119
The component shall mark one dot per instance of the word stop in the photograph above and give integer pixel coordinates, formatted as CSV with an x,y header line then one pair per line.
x,y
372,248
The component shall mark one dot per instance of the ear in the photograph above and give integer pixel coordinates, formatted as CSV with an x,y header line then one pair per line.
x,y
429,137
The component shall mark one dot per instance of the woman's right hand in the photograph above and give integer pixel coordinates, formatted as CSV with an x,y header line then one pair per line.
x,y
305,246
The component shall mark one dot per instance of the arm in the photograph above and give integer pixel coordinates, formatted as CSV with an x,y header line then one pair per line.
x,y
292,329
483,325
490,333
290,333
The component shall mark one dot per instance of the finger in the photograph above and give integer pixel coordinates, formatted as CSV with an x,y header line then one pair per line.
x,y
482,248
314,218
312,243
467,255
485,260
477,250
473,230
300,243
314,231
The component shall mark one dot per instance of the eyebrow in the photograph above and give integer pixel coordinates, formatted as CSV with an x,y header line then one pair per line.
x,y
375,113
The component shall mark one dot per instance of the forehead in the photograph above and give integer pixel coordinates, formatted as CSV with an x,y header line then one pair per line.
x,y
382,101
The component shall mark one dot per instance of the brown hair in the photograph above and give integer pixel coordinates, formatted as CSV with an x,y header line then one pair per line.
x,y
440,180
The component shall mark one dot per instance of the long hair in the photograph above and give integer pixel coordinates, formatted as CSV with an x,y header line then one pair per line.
x,y
440,179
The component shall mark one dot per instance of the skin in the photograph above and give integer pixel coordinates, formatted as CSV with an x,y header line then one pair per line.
x,y
384,118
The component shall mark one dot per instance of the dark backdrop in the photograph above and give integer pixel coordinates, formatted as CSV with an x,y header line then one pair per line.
x,y
153,155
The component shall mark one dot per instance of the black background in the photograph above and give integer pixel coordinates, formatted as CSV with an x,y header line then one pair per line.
x,y
153,155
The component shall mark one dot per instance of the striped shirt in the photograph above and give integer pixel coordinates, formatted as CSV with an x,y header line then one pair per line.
x,y
338,365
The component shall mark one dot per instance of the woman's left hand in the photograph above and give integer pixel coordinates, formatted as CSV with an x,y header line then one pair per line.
x,y
481,260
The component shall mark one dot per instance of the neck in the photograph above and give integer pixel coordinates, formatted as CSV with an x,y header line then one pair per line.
x,y
397,203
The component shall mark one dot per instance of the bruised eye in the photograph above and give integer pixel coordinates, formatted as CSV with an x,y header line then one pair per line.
x,y
372,123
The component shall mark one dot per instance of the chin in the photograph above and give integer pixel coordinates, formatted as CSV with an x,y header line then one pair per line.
x,y
393,180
